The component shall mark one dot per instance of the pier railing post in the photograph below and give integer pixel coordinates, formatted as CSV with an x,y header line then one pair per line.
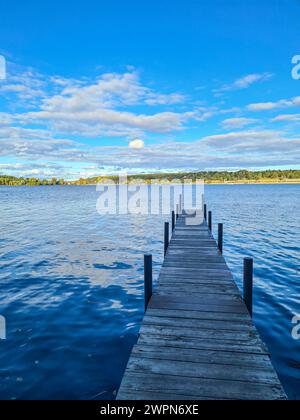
x,y
173,220
210,220
248,284
220,237
167,235
205,211
147,278
177,211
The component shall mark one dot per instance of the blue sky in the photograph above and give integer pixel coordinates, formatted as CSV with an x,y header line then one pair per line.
x,y
99,87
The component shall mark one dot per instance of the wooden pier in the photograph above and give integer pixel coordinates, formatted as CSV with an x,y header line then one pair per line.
x,y
197,340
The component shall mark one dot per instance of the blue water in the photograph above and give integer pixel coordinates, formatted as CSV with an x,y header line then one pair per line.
x,y
71,283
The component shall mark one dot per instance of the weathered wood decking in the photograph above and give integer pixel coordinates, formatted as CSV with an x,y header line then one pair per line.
x,y
197,340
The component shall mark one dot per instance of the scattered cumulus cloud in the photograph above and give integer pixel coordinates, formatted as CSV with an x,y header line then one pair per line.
x,y
244,82
286,118
236,149
48,122
137,144
282,103
230,123
103,107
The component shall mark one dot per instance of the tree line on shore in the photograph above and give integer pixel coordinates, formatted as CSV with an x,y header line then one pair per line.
x,y
209,177
21,181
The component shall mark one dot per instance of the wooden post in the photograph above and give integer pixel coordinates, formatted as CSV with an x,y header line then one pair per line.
x,y
205,212
177,211
248,284
220,237
210,220
147,278
173,220
180,204
167,234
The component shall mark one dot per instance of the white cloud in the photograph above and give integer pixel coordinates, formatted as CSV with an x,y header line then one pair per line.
x,y
5,118
109,91
137,144
13,88
40,170
103,108
34,144
287,117
112,105
242,149
243,138
27,85
282,103
263,106
159,99
120,105
237,149
244,82
110,122
237,122
247,81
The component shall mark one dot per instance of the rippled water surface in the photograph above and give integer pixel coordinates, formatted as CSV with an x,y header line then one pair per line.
x,y
71,283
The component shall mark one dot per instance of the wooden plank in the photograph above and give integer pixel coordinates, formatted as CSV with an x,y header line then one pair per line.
x,y
199,288
253,345
209,299
194,315
156,395
200,356
199,324
167,331
197,340
186,279
196,271
224,309
186,369
197,388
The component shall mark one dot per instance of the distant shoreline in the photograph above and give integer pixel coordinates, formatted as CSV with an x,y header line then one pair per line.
x,y
242,177
296,182
290,182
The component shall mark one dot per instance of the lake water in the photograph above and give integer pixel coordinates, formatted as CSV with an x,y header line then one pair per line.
x,y
71,283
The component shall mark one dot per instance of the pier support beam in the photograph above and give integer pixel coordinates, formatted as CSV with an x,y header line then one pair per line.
x,y
180,204
205,211
210,220
166,239
220,237
248,284
147,278
173,220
